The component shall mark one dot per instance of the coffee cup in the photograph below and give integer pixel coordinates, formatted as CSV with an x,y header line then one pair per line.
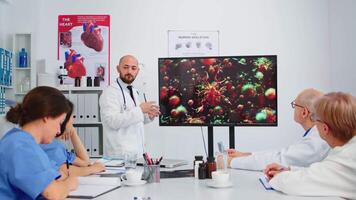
x,y
220,177
132,176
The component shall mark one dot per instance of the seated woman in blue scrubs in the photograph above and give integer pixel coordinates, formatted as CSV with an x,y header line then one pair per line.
x,y
25,170
79,160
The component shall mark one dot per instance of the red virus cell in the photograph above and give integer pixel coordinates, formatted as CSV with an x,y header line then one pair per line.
x,y
208,61
174,100
164,92
270,93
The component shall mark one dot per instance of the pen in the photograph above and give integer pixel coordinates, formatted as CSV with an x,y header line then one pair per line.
x,y
145,158
144,96
160,159
67,163
149,161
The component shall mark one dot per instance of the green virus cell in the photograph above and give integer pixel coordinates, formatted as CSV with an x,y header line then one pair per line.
x,y
259,75
181,109
242,61
262,61
247,87
261,116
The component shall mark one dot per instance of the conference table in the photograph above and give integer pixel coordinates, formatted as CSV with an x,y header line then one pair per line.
x,y
245,186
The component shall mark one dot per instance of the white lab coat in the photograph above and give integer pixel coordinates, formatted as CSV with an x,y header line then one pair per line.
x,y
123,129
308,150
334,176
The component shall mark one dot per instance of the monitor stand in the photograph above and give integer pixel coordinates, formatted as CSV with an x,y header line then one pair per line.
x,y
211,139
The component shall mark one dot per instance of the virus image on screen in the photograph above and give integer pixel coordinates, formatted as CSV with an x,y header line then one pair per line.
x,y
225,91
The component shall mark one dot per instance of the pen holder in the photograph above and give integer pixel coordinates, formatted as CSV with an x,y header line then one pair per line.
x,y
151,173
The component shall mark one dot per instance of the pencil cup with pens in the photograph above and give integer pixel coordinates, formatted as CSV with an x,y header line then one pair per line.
x,y
151,173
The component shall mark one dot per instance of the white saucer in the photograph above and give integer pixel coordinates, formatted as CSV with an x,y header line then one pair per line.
x,y
140,182
223,185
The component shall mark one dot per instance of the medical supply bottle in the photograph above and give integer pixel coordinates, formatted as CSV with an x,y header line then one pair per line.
x,y
198,160
23,58
211,166
202,171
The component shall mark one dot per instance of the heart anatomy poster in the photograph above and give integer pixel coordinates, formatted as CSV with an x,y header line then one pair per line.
x,y
84,48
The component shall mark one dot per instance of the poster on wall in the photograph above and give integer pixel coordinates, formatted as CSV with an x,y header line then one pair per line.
x,y
193,43
84,48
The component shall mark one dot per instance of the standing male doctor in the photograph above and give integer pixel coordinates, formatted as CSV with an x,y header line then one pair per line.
x,y
122,114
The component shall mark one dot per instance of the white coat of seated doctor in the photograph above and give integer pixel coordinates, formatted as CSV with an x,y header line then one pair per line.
x,y
122,114
309,149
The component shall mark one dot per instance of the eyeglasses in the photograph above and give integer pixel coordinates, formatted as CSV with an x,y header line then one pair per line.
x,y
293,104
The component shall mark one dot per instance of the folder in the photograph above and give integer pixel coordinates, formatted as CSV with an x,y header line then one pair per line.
x,y
81,108
87,139
74,99
81,135
92,187
94,132
91,107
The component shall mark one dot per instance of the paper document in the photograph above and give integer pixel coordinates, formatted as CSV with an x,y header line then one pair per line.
x,y
91,187
111,162
113,170
265,183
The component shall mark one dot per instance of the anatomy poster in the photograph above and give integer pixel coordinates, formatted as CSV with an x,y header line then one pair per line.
x,y
193,43
84,47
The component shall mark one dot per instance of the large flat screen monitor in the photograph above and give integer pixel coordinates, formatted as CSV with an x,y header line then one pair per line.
x,y
218,91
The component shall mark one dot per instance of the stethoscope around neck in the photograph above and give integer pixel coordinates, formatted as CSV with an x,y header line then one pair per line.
x,y
123,94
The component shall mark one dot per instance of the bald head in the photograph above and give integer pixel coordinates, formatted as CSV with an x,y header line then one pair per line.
x,y
125,58
308,96
128,68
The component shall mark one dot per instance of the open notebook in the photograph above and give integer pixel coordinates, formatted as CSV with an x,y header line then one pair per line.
x,y
91,187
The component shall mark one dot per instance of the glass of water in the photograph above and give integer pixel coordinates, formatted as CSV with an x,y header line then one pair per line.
x,y
130,160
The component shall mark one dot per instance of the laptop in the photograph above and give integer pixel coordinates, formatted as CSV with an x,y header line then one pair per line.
x,y
166,163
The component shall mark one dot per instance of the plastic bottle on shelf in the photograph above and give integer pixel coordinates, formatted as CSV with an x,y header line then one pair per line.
x,y
23,58
26,84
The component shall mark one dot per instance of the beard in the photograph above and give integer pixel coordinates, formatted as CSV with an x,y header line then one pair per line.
x,y
127,78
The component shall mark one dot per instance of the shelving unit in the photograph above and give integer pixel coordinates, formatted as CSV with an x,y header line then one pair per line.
x,y
24,78
87,116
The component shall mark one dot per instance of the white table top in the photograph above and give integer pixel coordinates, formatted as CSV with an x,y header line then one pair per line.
x,y
245,186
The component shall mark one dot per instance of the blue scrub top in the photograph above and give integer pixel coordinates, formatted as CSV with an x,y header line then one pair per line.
x,y
57,153
25,170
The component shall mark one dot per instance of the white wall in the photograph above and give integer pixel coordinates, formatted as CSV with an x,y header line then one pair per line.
x,y
2,24
343,45
295,30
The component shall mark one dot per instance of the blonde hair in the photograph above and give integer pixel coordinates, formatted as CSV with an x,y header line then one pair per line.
x,y
338,111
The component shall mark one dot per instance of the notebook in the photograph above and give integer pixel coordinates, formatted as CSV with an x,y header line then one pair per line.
x,y
166,163
92,187
265,183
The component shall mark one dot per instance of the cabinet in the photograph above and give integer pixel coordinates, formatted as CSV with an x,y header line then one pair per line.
x,y
24,76
86,116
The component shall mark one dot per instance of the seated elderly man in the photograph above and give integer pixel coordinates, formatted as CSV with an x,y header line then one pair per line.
x,y
311,148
